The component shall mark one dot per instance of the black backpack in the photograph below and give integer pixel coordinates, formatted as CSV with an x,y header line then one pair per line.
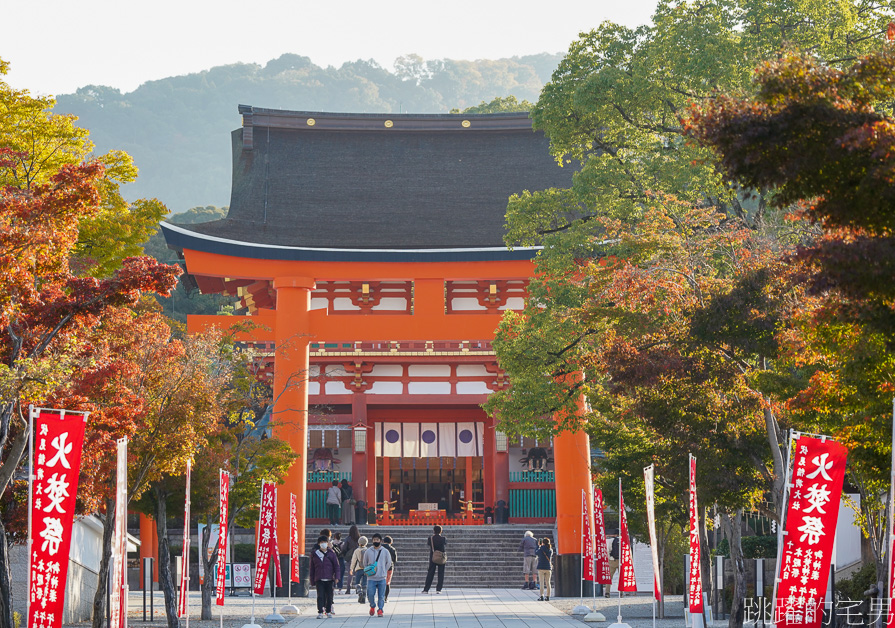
x,y
337,548
613,553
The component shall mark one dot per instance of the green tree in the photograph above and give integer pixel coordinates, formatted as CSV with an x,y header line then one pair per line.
x,y
820,137
40,142
498,105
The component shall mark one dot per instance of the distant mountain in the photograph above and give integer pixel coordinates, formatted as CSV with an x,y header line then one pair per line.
x,y
178,129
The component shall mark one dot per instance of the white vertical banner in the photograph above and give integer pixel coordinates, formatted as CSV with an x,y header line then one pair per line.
x,y
392,441
429,441
411,438
118,594
649,481
183,600
890,616
469,436
447,440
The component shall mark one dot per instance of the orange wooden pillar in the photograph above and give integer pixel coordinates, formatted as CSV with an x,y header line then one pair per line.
x,y
571,455
371,476
359,479
148,547
489,470
290,391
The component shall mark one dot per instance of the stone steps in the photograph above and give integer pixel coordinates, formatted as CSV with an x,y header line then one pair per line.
x,y
487,555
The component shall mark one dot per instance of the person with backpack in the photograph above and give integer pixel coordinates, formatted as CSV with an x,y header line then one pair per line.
x,y
357,568
377,562
545,568
324,574
387,544
528,546
337,545
349,546
333,501
613,564
437,559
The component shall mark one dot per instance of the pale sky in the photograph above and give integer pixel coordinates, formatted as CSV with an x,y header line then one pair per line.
x,y
56,46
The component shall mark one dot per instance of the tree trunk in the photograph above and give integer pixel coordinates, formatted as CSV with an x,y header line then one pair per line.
x,y
209,566
165,580
705,557
733,530
661,542
5,585
779,460
102,583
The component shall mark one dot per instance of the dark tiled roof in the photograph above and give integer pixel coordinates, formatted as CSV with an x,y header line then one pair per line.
x,y
380,181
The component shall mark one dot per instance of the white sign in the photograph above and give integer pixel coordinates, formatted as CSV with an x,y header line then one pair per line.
x,y
427,506
242,575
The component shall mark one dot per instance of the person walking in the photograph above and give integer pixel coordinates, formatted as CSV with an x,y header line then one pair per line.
x,y
613,564
357,569
387,544
437,559
347,503
337,545
333,501
529,547
349,546
545,567
377,562
324,574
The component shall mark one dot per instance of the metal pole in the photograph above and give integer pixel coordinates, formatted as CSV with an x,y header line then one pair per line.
x,y
31,413
620,551
780,531
581,571
891,539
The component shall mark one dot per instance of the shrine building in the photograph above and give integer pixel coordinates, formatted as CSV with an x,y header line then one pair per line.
x,y
367,252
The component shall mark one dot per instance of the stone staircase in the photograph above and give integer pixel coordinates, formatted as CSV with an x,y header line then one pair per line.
x,y
486,555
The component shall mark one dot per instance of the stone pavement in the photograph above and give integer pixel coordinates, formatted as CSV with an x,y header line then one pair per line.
x,y
453,608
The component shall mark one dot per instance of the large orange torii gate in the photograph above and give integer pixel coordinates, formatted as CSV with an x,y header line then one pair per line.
x,y
292,326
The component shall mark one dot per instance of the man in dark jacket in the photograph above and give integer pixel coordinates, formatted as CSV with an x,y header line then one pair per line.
x,y
387,544
324,574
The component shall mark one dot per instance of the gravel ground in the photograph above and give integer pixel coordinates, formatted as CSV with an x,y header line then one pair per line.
x,y
637,611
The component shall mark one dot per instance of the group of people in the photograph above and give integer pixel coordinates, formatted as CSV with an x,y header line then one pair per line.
x,y
371,565
340,497
537,564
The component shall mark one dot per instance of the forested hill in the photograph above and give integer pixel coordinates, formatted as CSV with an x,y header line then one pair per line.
x,y
178,129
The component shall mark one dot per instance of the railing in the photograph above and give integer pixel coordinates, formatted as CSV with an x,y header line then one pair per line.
x,y
534,503
328,476
315,506
531,476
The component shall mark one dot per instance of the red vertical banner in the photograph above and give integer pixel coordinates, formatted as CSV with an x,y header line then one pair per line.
x,y
58,439
601,556
267,537
294,544
814,495
224,499
627,580
649,483
587,545
694,590
183,599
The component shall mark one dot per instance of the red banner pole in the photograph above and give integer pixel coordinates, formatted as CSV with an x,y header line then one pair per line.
x,y
781,525
32,413
55,468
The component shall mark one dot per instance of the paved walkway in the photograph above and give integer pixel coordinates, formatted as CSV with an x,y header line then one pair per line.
x,y
453,608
